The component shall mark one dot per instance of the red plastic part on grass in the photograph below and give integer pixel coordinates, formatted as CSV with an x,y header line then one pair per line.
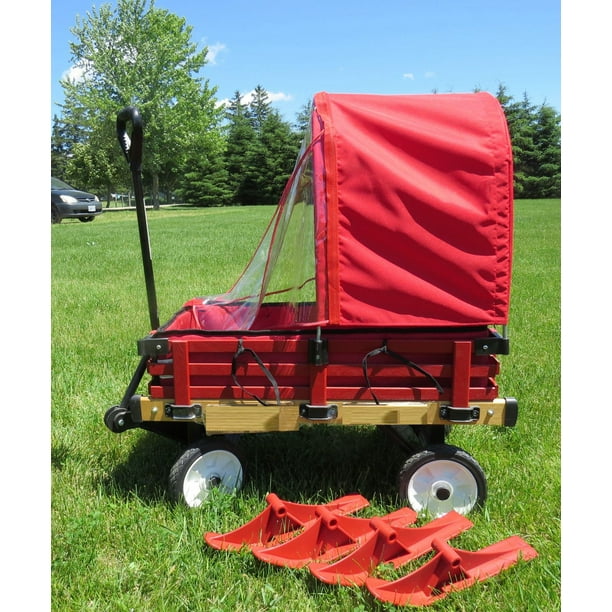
x,y
328,537
389,544
450,570
279,521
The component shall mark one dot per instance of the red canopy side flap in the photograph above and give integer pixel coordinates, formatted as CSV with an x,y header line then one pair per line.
x,y
419,209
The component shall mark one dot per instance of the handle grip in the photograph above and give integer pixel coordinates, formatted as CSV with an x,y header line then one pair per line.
x,y
131,147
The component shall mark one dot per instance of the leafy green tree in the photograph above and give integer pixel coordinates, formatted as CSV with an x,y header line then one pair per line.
x,y
137,55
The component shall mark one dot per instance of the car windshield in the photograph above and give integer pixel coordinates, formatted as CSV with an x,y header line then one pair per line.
x,y
57,184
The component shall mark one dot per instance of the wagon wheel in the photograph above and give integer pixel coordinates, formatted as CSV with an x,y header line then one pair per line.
x,y
206,465
442,478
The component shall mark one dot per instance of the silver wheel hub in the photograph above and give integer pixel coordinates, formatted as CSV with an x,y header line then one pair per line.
x,y
439,486
214,469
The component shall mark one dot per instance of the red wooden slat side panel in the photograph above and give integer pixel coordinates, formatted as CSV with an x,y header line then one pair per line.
x,y
461,373
347,394
201,368
180,353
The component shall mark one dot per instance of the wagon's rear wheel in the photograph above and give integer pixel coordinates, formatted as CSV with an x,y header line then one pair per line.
x,y
206,465
442,478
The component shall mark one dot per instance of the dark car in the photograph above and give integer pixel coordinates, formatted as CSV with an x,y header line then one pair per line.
x,y
70,203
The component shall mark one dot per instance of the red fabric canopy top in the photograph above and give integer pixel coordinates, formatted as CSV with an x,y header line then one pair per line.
x,y
418,209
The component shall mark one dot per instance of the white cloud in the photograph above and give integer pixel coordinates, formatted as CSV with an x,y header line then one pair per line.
x,y
247,98
430,75
75,74
279,96
408,75
213,51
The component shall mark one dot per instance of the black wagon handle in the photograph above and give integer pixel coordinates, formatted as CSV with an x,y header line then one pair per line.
x,y
132,149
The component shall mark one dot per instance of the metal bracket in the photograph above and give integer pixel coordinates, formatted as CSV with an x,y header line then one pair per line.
x,y
153,347
318,352
183,413
494,345
319,413
459,415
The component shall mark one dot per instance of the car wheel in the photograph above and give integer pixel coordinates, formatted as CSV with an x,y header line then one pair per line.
x,y
86,219
55,216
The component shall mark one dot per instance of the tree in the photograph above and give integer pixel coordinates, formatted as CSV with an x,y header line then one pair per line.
x,y
547,135
261,149
241,139
281,146
536,146
62,143
259,108
302,122
138,55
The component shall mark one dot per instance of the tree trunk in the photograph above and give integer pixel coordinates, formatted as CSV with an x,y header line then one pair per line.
x,y
155,191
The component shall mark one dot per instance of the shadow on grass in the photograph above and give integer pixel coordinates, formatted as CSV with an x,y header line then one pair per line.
x,y
316,463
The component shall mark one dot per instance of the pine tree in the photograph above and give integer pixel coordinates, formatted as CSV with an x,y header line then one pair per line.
x,y
281,146
241,140
548,138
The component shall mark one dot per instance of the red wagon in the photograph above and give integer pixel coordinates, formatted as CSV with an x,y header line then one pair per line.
x,y
378,295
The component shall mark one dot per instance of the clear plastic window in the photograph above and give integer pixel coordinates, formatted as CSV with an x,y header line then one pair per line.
x,y
278,287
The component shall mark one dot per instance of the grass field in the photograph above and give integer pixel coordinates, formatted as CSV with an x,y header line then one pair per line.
x,y
118,543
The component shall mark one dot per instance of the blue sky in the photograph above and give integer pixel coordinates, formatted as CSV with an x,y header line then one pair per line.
x,y
295,49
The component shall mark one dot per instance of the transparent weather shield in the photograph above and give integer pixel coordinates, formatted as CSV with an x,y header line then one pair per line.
x,y
281,274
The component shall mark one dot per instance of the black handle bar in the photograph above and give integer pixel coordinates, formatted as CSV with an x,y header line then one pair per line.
x,y
131,147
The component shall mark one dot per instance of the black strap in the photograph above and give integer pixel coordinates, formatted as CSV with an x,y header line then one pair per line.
x,y
241,349
385,349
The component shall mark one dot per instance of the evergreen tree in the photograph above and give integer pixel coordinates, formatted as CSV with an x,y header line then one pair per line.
x,y
259,108
548,162
281,146
536,146
62,142
241,139
302,122
261,150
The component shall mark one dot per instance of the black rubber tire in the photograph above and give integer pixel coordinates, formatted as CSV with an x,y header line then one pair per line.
x,y
55,215
86,219
217,452
442,478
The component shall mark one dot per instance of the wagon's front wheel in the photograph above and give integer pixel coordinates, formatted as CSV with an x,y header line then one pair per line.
x,y
442,478
206,465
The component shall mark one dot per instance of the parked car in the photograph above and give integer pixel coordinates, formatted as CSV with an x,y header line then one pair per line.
x,y
70,203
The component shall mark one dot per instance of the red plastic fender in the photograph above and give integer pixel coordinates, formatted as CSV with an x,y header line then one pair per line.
x,y
389,544
279,521
450,570
328,537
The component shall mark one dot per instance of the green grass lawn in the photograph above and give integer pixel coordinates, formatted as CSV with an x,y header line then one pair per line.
x,y
118,543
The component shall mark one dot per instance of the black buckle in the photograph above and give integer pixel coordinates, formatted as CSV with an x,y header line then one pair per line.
x,y
459,415
319,413
183,413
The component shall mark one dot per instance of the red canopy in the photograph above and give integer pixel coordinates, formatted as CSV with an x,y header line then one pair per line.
x,y
418,209
398,214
